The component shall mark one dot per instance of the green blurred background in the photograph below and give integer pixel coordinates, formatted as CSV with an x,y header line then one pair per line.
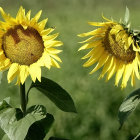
x,y
97,102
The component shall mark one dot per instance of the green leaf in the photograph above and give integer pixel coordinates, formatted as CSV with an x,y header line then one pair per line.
x,y
38,108
56,94
55,138
15,125
39,129
128,105
49,121
126,17
5,137
5,103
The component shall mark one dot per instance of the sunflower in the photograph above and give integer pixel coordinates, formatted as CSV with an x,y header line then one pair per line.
x,y
25,46
112,47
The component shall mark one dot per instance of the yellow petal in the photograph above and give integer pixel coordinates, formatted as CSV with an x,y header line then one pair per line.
x,y
126,75
20,15
35,72
138,58
92,38
106,18
114,31
135,67
52,43
4,26
24,26
112,70
54,63
95,43
5,16
5,64
95,57
13,72
36,17
50,37
132,79
97,23
28,15
53,50
89,54
94,32
2,57
23,73
46,60
119,73
42,24
47,31
125,40
130,40
55,57
18,80
119,35
101,62
107,66
2,32
118,27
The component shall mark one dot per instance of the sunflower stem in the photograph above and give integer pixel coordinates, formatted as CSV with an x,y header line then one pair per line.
x,y
27,97
23,98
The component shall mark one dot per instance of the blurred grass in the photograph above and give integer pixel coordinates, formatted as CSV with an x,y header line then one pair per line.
x,y
97,102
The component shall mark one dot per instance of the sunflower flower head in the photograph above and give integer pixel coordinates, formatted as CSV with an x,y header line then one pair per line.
x,y
114,49
26,46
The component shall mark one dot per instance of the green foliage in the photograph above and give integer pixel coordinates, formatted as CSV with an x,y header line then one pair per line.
x,y
40,128
128,106
33,124
56,94
101,100
35,121
5,137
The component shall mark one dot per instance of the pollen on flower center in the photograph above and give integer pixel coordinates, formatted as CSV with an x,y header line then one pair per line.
x,y
117,49
23,46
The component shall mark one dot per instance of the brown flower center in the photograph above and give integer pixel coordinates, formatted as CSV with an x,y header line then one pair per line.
x,y
23,46
117,48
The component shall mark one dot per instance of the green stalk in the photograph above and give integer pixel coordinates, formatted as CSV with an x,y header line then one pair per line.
x,y
23,98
